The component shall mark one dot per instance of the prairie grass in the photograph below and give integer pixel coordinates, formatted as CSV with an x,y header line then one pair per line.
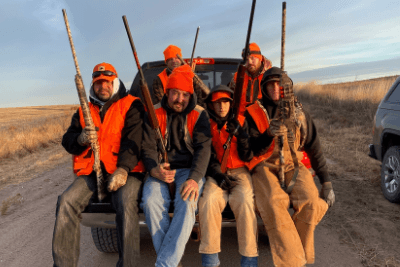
x,y
6,204
344,114
21,135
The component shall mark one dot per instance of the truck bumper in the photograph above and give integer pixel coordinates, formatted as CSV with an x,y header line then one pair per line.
x,y
372,153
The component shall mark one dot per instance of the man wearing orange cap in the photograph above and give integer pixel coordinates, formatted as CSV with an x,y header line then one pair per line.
x,y
234,186
185,128
118,119
256,65
160,82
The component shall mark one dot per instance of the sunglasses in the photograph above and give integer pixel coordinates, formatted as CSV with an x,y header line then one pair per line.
x,y
105,73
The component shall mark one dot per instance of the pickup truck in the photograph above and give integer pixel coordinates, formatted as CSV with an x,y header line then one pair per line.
x,y
101,216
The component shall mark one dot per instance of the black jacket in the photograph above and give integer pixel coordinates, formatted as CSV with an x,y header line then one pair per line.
x,y
258,143
179,155
131,135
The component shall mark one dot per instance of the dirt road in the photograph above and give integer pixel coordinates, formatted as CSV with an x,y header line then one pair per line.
x,y
27,227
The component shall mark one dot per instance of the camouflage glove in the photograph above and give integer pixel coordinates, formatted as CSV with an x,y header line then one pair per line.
x,y
117,179
327,193
87,137
276,128
225,181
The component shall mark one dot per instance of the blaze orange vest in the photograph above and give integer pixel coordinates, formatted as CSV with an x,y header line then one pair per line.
x,y
109,137
219,138
164,78
190,122
261,119
248,90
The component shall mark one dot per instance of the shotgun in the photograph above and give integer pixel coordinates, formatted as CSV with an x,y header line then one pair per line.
x,y
237,94
149,106
286,112
194,48
101,183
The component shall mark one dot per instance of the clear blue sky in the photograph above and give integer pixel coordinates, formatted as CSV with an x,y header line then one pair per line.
x,y
37,66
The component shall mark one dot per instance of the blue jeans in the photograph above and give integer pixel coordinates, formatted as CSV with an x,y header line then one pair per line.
x,y
169,237
209,260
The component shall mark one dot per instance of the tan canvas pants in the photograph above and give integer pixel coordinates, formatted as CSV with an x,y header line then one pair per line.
x,y
241,201
291,238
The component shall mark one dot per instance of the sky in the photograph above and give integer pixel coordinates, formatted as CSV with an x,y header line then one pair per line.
x,y
327,41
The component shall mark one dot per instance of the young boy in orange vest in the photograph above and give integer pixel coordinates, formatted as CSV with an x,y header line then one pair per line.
x,y
234,186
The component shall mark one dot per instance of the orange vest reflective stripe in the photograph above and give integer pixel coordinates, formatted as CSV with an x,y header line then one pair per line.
x,y
249,88
261,119
190,122
219,138
109,137
164,78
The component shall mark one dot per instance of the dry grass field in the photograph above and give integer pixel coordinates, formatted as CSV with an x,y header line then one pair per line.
x,y
30,141
26,130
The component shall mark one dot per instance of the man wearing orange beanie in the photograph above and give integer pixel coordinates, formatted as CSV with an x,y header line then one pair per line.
x,y
256,65
160,82
185,128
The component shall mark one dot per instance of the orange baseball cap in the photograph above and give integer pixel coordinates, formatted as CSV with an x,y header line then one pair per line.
x,y
219,95
171,51
104,71
181,78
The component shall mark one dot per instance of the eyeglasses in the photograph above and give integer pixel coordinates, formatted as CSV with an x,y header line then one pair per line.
x,y
105,73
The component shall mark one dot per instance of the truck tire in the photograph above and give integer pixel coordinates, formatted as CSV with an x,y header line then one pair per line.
x,y
390,174
105,239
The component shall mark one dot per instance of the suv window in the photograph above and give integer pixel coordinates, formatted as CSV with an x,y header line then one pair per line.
x,y
395,95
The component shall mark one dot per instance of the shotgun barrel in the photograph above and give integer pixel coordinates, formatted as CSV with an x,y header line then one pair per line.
x,y
238,92
154,123
101,183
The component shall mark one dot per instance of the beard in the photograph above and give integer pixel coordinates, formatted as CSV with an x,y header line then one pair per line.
x,y
178,106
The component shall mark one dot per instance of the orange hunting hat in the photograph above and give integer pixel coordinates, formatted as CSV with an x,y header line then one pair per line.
x,y
254,50
221,94
104,71
181,78
171,51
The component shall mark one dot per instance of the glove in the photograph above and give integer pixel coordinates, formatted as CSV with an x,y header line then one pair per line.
x,y
231,127
87,137
225,181
327,193
276,128
117,179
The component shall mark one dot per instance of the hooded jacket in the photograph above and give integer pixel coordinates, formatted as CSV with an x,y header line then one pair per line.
x,y
131,135
196,157
259,144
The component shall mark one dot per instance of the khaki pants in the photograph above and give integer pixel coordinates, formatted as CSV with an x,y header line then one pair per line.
x,y
291,238
241,201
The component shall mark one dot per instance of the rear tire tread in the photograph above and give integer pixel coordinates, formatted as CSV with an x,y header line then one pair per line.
x,y
105,239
